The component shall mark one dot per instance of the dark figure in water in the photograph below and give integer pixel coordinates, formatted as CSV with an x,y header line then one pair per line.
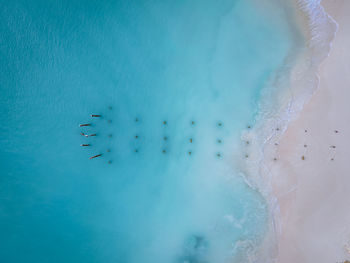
x,y
84,144
98,155
86,135
195,250
83,125
95,115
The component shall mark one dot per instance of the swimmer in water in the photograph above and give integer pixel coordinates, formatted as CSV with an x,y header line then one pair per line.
x,y
83,125
95,115
84,144
98,155
86,135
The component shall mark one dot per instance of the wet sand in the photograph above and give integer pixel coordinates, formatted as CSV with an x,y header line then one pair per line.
x,y
311,176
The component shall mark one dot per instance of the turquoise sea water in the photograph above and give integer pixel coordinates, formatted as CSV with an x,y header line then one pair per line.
x,y
170,195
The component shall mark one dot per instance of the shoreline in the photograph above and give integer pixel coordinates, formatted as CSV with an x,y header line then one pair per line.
x,y
294,170
293,87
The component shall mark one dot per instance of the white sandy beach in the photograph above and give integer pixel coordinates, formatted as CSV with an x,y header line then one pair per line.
x,y
314,194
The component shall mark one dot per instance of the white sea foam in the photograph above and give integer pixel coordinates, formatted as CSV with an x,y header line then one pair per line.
x,y
281,102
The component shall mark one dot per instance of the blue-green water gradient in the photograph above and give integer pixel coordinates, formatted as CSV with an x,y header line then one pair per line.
x,y
170,195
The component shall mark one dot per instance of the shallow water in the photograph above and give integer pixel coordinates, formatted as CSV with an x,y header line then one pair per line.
x,y
170,195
